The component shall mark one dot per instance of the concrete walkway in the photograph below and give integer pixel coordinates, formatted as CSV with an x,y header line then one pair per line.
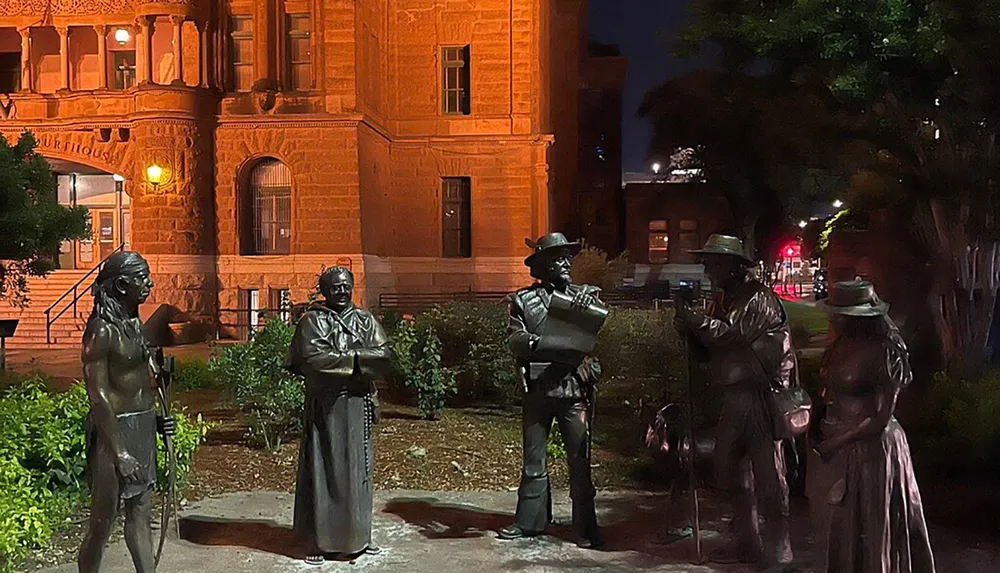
x,y
439,532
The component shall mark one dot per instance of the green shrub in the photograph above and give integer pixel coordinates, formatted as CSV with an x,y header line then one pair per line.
x,y
554,448
957,424
592,267
474,347
43,462
190,433
417,365
254,374
193,374
642,344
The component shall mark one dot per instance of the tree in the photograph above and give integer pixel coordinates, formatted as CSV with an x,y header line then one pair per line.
x,y
919,81
738,125
32,222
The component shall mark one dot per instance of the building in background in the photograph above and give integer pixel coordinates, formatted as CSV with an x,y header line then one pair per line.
x,y
599,197
663,222
240,146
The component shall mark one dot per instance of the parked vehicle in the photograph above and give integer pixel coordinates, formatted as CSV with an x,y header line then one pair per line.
x,y
820,285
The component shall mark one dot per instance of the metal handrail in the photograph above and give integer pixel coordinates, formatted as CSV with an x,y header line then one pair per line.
x,y
49,321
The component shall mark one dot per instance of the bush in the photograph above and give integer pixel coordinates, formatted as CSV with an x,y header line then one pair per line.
x,y
592,267
957,424
193,374
43,462
417,365
474,347
254,374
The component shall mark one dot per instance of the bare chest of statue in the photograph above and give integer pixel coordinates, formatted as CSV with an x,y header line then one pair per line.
x,y
129,369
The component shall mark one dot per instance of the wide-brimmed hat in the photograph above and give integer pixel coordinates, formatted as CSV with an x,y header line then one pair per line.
x,y
549,243
723,245
854,298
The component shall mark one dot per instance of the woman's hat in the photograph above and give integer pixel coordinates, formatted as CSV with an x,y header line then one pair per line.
x,y
854,298
549,243
723,245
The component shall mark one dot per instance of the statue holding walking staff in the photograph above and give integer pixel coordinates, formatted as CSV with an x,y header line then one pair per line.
x,y
122,424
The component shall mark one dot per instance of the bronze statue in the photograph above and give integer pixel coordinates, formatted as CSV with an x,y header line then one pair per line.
x,y
861,486
122,425
747,344
552,331
340,350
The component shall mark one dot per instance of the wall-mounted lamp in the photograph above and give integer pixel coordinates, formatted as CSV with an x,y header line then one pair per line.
x,y
122,36
154,174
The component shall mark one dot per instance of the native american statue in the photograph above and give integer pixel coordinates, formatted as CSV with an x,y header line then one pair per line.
x,y
122,425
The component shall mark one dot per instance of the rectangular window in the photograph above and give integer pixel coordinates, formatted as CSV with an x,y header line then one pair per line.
x,y
249,313
298,53
280,303
10,72
241,53
659,242
455,79
456,217
688,239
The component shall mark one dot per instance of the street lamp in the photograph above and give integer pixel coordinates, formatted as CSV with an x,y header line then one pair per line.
x,y
802,224
837,204
121,36
154,174
656,168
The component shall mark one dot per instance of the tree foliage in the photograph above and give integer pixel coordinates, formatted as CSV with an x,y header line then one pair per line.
x,y
32,222
917,83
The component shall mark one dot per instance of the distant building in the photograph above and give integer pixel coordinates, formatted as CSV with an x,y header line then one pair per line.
x,y
599,200
663,221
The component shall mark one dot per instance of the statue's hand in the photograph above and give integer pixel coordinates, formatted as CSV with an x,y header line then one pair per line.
x,y
166,425
127,466
582,300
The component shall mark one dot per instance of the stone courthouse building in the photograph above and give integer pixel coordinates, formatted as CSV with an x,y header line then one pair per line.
x,y
241,145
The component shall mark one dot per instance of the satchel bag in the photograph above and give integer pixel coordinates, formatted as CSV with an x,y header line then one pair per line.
x,y
791,411
791,408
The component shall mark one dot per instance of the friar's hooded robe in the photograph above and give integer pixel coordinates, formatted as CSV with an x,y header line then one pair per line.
x,y
340,354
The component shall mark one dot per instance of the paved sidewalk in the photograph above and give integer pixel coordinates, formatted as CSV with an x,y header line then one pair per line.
x,y
441,532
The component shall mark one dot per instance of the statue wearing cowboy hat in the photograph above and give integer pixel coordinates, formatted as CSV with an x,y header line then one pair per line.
x,y
747,343
558,372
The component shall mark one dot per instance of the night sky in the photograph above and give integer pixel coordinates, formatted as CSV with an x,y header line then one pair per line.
x,y
644,30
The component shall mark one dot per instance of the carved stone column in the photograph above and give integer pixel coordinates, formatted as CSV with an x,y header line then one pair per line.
x,y
26,75
204,43
144,50
174,221
63,57
102,56
178,22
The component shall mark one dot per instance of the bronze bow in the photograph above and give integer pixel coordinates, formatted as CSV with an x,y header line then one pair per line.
x,y
164,370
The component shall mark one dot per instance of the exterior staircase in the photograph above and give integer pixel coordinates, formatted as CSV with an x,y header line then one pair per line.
x,y
67,330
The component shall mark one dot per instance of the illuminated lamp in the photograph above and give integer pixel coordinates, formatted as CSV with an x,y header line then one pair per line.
x,y
154,174
122,36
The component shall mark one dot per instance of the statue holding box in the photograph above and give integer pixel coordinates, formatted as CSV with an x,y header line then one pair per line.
x,y
552,332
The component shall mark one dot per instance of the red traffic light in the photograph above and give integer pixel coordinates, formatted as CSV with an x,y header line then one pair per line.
x,y
791,250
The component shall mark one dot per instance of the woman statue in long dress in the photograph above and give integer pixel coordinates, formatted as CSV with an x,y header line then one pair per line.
x,y
861,484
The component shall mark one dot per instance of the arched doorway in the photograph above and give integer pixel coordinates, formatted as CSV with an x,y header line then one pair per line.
x,y
103,195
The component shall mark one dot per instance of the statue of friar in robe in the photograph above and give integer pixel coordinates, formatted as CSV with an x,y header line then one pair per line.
x,y
340,350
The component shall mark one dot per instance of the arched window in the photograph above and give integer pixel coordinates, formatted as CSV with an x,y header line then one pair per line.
x,y
267,209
